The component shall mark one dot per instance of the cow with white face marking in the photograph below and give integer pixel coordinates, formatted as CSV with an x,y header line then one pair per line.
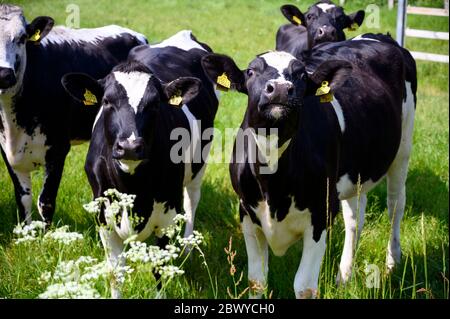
x,y
323,22
342,126
136,132
38,120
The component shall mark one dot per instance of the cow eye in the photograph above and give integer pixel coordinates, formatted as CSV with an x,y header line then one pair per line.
x,y
309,16
105,102
250,73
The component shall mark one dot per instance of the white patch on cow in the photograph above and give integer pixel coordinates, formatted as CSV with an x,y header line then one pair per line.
x,y
257,255
191,198
325,6
307,277
128,166
113,246
282,234
24,152
61,35
354,214
269,149
396,180
347,189
360,38
159,220
182,40
279,60
195,144
97,117
339,113
135,84
132,138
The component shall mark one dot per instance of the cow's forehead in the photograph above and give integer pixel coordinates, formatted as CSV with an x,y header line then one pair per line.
x,y
279,60
325,7
12,21
135,84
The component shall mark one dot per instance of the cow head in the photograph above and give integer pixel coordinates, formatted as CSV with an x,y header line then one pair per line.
x,y
129,99
14,35
276,84
324,21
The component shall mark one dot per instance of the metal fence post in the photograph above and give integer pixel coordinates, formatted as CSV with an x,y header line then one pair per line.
x,y
401,21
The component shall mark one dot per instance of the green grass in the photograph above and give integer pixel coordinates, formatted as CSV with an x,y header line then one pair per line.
x,y
243,29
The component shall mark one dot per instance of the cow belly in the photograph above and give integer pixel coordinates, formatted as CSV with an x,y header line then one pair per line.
x,y
160,218
24,152
282,234
347,189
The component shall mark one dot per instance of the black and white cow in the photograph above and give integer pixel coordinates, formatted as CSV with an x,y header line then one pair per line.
x,y
136,132
38,120
327,148
323,22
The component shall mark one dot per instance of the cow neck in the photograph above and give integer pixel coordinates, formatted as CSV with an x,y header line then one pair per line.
x,y
8,119
280,175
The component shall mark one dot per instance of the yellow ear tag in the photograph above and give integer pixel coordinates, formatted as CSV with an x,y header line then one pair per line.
x,y
36,36
89,98
176,99
224,84
354,26
297,20
324,93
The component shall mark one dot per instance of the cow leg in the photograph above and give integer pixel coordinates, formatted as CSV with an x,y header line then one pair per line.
x,y
396,189
190,200
22,191
113,246
307,276
353,211
47,199
258,257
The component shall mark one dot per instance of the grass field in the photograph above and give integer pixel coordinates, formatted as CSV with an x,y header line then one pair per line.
x,y
243,29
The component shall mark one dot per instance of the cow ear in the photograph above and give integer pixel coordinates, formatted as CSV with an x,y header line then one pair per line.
x,y
356,20
334,72
39,28
293,14
82,88
224,72
182,90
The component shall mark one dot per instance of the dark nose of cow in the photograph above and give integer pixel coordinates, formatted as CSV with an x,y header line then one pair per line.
x,y
327,32
126,149
278,92
7,78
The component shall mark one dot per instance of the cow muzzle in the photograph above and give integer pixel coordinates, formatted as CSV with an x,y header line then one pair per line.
x,y
7,78
130,150
326,33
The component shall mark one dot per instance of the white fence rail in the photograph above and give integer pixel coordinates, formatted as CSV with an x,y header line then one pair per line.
x,y
403,30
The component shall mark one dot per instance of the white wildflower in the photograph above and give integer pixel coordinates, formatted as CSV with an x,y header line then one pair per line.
x,y
70,290
63,236
170,271
95,272
195,239
45,277
28,233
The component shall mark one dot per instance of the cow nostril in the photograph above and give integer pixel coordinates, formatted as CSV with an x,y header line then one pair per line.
x,y
290,90
270,88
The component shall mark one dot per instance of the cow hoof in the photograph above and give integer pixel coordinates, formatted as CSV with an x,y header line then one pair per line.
x,y
342,278
308,293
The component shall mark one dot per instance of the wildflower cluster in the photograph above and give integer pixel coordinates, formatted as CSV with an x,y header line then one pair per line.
x,y
28,233
35,231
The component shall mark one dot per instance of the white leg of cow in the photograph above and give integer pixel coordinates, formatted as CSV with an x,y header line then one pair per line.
x,y
258,257
191,198
307,276
353,211
396,180
25,194
113,246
